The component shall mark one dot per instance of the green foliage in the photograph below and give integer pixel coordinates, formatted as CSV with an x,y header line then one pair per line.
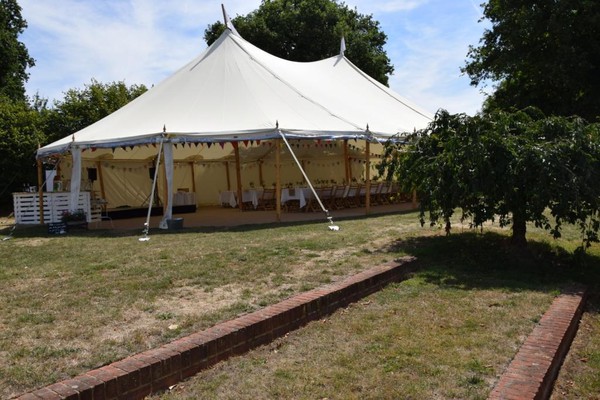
x,y
20,136
541,53
24,128
310,30
14,57
510,166
83,107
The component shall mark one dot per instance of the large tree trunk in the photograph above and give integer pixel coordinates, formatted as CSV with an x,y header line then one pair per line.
x,y
519,229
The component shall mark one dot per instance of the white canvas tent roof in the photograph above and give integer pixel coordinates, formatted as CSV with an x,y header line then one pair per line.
x,y
234,91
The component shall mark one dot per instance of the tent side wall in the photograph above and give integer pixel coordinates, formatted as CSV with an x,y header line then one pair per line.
x,y
127,183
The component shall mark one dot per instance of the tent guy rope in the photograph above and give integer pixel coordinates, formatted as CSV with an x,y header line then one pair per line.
x,y
332,226
146,238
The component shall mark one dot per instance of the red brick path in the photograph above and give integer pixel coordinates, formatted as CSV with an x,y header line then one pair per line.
x,y
532,372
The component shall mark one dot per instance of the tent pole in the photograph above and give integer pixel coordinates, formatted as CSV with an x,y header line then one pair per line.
x,y
238,172
346,162
278,179
101,179
368,176
193,177
40,172
227,174
165,185
303,164
260,174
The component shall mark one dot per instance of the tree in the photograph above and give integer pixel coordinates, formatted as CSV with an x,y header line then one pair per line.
x,y
510,166
20,136
310,30
540,53
14,57
83,107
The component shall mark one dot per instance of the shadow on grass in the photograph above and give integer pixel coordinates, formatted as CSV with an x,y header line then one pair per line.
x,y
36,231
471,261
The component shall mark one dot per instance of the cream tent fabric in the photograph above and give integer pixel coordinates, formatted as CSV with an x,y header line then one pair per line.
x,y
235,91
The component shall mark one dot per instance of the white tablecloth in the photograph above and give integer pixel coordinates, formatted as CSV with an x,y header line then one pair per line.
x,y
300,194
251,195
230,197
184,198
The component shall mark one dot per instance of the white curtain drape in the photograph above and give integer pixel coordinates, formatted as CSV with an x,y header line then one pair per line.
x,y
75,179
168,152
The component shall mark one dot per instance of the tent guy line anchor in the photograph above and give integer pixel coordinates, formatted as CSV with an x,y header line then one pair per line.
x,y
10,234
332,226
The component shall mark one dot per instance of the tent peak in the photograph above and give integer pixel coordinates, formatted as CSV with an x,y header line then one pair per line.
x,y
228,23
342,47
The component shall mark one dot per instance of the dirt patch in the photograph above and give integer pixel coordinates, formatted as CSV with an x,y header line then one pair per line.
x,y
33,242
169,312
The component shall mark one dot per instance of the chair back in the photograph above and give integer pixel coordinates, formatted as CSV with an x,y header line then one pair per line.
x,y
268,194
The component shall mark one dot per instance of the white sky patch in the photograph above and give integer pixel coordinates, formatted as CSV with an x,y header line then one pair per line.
x,y
145,41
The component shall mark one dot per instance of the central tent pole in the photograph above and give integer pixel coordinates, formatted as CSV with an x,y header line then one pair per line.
x,y
346,162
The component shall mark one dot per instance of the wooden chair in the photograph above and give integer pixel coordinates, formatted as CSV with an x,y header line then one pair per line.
x,y
267,200
326,195
352,197
337,198
313,203
376,193
292,204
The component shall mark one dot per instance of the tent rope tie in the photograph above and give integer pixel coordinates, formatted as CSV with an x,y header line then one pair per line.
x,y
332,226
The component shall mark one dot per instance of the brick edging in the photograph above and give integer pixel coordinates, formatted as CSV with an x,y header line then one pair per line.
x,y
531,374
154,370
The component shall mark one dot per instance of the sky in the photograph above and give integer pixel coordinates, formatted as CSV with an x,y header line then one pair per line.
x,y
145,41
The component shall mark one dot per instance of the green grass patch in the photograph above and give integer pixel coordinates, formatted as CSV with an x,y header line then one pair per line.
x,y
74,303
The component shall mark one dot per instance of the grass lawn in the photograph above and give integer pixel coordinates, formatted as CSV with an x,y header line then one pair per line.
x,y
69,304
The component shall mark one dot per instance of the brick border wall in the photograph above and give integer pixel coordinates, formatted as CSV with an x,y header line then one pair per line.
x,y
154,370
532,372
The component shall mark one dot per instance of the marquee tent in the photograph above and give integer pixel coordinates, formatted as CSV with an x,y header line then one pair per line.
x,y
234,96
